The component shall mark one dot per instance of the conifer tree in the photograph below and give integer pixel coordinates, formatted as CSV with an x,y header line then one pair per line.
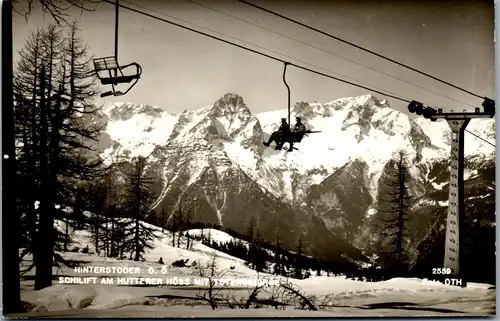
x,y
138,200
298,259
163,219
394,205
11,303
55,119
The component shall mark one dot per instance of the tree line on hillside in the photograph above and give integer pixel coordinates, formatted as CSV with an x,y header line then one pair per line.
x,y
283,263
258,254
119,212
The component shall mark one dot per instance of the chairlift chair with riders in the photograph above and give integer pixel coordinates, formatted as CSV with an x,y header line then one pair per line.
x,y
111,73
293,138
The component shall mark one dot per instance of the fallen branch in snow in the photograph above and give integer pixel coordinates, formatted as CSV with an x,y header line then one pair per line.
x,y
230,301
253,296
278,298
58,260
211,295
243,303
326,302
304,301
27,269
25,252
68,263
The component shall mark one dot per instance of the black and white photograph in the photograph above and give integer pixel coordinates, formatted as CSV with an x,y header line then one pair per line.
x,y
248,158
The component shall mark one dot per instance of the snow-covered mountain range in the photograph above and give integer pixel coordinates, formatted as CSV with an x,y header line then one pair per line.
x,y
212,160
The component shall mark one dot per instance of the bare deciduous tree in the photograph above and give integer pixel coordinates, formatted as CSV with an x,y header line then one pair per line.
x,y
58,9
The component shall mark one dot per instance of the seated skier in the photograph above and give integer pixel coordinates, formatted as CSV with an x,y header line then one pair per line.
x,y
280,136
299,130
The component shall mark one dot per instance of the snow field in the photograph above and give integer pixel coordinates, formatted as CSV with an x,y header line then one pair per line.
x,y
232,277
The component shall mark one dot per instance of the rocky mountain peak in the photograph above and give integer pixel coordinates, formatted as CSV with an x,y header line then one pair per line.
x,y
230,105
360,115
309,110
361,109
230,119
125,111
357,104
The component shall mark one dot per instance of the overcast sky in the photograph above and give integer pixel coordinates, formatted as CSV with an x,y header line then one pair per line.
x,y
452,40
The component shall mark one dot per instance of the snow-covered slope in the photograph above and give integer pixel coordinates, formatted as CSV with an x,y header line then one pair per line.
x,y
136,130
214,236
359,128
339,293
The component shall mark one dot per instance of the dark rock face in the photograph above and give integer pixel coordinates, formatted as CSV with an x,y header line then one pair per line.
x,y
220,193
126,111
343,199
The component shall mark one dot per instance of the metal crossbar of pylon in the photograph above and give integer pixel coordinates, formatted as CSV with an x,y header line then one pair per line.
x,y
456,198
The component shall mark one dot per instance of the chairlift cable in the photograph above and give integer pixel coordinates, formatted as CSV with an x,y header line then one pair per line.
x,y
110,65
266,49
261,53
269,56
329,52
484,140
361,48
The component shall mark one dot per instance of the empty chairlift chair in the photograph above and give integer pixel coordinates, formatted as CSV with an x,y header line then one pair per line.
x,y
110,73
